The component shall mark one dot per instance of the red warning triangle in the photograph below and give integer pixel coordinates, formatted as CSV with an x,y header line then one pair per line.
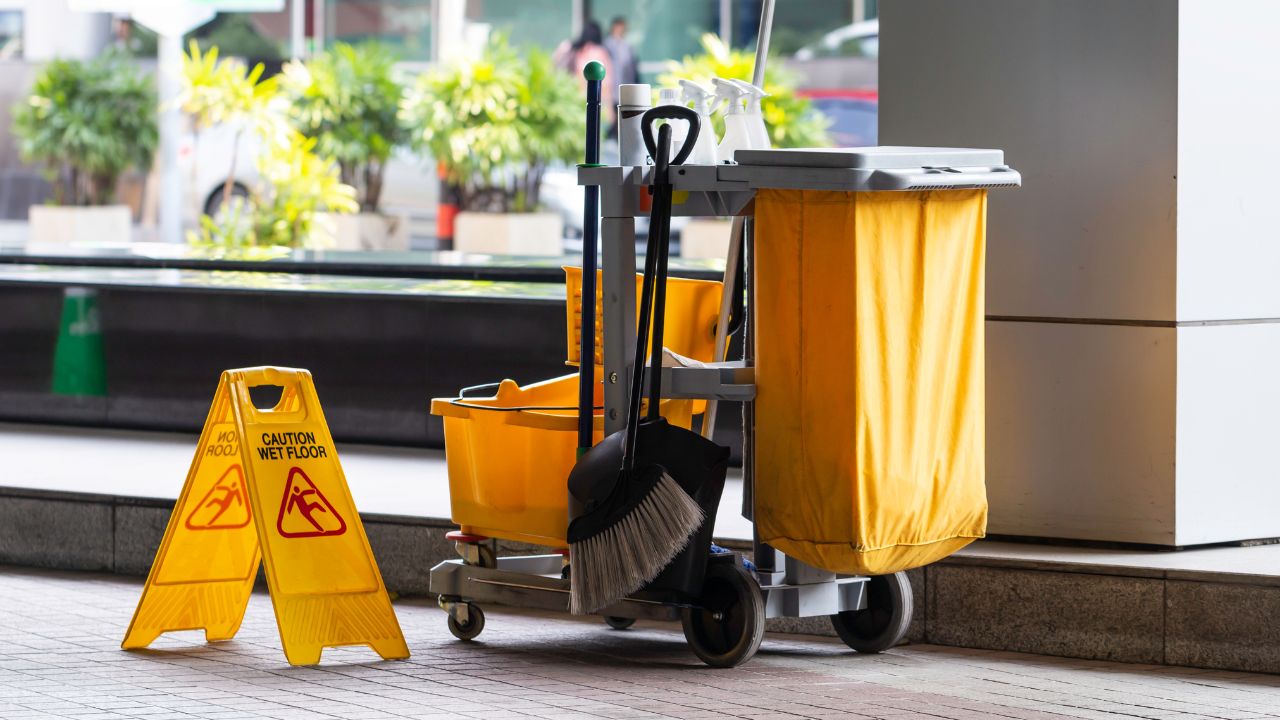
x,y
305,511
225,506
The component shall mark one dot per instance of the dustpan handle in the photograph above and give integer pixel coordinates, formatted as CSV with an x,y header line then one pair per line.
x,y
650,269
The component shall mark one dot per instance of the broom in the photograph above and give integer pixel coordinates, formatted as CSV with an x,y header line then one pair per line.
x,y
635,521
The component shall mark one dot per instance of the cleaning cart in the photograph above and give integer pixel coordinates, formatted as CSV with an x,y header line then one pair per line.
x,y
848,385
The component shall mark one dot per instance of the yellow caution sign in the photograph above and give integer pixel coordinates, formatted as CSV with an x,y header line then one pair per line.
x,y
266,485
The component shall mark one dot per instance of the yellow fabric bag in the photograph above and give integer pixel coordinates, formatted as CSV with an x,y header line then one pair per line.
x,y
870,434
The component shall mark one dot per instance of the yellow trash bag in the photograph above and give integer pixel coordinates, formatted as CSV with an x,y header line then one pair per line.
x,y
869,367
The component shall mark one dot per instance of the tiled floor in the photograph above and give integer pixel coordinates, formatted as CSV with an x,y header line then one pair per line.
x,y
59,657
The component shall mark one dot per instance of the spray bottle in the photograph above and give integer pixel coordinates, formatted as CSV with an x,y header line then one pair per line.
x,y
755,115
679,130
737,133
704,148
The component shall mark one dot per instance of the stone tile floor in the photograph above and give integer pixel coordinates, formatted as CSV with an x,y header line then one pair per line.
x,y
60,657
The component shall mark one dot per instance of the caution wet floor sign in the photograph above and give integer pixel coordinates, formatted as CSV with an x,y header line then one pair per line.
x,y
266,486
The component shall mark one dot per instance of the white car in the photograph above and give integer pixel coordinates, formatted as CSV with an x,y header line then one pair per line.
x,y
860,39
409,185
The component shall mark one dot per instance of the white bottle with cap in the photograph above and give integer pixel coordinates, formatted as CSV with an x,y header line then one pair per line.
x,y
633,102
679,128
704,148
737,134
755,115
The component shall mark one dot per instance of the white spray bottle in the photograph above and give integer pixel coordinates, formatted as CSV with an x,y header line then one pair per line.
x,y
737,134
755,115
704,148
679,128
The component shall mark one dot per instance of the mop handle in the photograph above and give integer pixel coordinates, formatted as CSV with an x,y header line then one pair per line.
x,y
594,74
662,152
662,190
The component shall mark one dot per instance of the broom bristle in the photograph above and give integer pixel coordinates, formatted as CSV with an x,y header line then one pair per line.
x,y
624,558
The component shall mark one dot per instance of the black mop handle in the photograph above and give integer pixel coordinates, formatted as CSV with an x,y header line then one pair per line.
x,y
594,73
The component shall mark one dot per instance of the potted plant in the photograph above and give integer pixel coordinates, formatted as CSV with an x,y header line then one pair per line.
x,y
296,188
791,120
86,122
348,100
495,124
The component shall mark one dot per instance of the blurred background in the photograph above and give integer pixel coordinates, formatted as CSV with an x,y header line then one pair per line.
x,y
825,54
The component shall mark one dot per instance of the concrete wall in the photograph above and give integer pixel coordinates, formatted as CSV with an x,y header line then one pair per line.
x,y
1122,406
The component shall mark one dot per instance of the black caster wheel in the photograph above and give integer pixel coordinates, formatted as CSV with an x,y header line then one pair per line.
x,y
619,623
727,627
884,622
472,627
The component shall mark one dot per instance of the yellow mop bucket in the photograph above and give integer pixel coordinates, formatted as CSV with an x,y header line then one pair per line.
x,y
510,454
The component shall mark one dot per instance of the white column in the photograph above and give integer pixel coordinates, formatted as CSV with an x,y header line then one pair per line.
x,y
297,29
1133,329
171,181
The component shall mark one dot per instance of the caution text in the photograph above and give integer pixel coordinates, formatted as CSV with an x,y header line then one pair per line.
x,y
290,446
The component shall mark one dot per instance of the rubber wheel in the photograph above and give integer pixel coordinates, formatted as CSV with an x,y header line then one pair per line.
x,y
884,622
619,623
473,627
727,627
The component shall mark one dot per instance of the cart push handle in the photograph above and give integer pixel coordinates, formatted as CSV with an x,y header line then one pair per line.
x,y
670,112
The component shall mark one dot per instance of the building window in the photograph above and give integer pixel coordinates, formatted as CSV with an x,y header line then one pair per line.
x,y
10,34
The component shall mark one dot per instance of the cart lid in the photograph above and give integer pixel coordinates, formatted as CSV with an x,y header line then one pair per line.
x,y
887,157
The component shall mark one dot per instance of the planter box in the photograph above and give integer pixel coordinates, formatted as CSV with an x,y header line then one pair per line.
x,y
58,225
366,231
705,238
509,233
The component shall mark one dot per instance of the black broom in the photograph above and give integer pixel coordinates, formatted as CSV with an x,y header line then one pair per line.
x,y
633,520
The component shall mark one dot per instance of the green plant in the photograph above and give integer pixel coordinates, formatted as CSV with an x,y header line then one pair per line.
x,y
791,119
349,101
296,183
88,122
225,91
495,123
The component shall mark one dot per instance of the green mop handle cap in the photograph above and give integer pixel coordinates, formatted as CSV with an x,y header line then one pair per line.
x,y
594,71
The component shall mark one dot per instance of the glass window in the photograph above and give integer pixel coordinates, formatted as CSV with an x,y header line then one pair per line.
x,y
661,30
543,23
10,34
404,26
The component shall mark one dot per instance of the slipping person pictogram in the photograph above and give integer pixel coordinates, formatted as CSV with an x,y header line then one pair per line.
x,y
224,507
305,511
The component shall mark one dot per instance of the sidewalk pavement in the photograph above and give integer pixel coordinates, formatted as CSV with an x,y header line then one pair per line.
x,y
60,657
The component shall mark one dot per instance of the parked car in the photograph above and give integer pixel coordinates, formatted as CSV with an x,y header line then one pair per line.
x,y
410,184
854,114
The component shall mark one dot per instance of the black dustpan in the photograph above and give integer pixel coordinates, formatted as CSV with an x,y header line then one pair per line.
x,y
628,469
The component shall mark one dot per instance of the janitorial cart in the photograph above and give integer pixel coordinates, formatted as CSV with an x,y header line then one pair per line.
x,y
861,381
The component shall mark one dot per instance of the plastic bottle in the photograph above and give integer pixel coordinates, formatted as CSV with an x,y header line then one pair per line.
x,y
755,115
679,129
633,102
704,148
737,133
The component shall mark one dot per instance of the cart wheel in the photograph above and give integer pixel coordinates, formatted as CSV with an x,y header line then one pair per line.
x,y
883,623
472,627
487,558
619,623
726,630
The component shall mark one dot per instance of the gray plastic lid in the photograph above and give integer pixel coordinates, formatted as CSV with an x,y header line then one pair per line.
x,y
887,157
